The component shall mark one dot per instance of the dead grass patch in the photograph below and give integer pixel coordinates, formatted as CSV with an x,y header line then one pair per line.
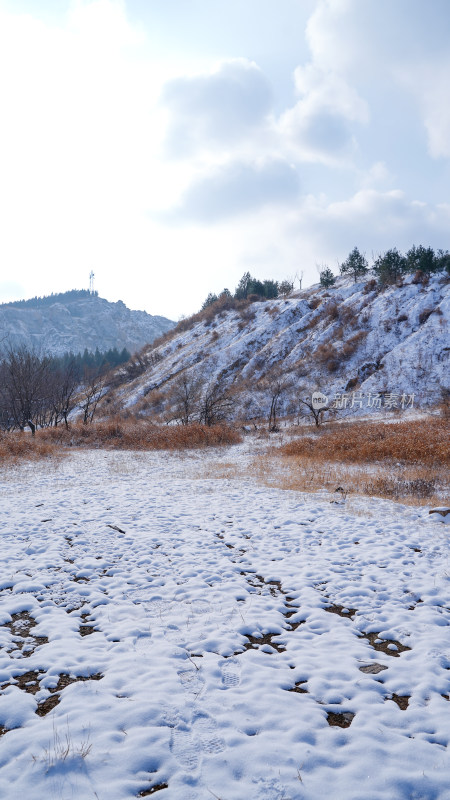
x,y
142,435
16,446
421,442
412,485
115,433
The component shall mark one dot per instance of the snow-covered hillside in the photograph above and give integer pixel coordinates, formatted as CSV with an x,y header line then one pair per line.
x,y
365,347
73,323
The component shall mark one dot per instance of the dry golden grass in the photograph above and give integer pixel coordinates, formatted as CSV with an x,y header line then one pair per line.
x,y
413,485
404,461
141,435
409,485
17,446
421,442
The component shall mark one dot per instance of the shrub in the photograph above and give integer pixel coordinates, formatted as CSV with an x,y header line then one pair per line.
x,y
326,355
348,315
273,311
370,286
331,311
286,287
420,277
255,298
249,286
423,316
351,345
398,489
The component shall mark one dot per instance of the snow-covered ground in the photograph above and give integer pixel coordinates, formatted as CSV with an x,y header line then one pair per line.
x,y
216,637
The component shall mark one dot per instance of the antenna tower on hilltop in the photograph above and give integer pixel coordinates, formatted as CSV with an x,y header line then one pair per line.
x,y
91,282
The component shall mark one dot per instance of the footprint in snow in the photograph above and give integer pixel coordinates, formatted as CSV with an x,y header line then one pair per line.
x,y
191,680
200,606
271,789
171,717
185,749
231,673
205,729
143,644
154,606
172,633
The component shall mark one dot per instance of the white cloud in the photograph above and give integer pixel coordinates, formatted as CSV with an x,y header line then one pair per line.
x,y
429,84
103,25
362,39
320,125
329,27
376,175
215,110
237,188
392,45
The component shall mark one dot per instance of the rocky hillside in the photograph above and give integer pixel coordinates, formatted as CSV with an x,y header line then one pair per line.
x,y
77,320
366,347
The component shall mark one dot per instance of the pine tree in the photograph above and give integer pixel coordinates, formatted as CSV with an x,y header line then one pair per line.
x,y
270,289
421,258
327,278
209,300
242,289
389,266
355,265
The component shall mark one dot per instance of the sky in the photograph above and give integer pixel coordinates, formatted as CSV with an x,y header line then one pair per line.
x,y
171,145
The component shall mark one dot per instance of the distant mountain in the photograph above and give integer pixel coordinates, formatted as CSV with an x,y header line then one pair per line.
x,y
75,320
364,346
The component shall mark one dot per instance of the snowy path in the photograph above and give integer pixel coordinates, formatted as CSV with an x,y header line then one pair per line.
x,y
218,638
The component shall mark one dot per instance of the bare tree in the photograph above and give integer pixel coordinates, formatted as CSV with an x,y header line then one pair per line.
x,y
314,405
6,418
186,395
25,387
63,393
275,384
92,391
216,403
